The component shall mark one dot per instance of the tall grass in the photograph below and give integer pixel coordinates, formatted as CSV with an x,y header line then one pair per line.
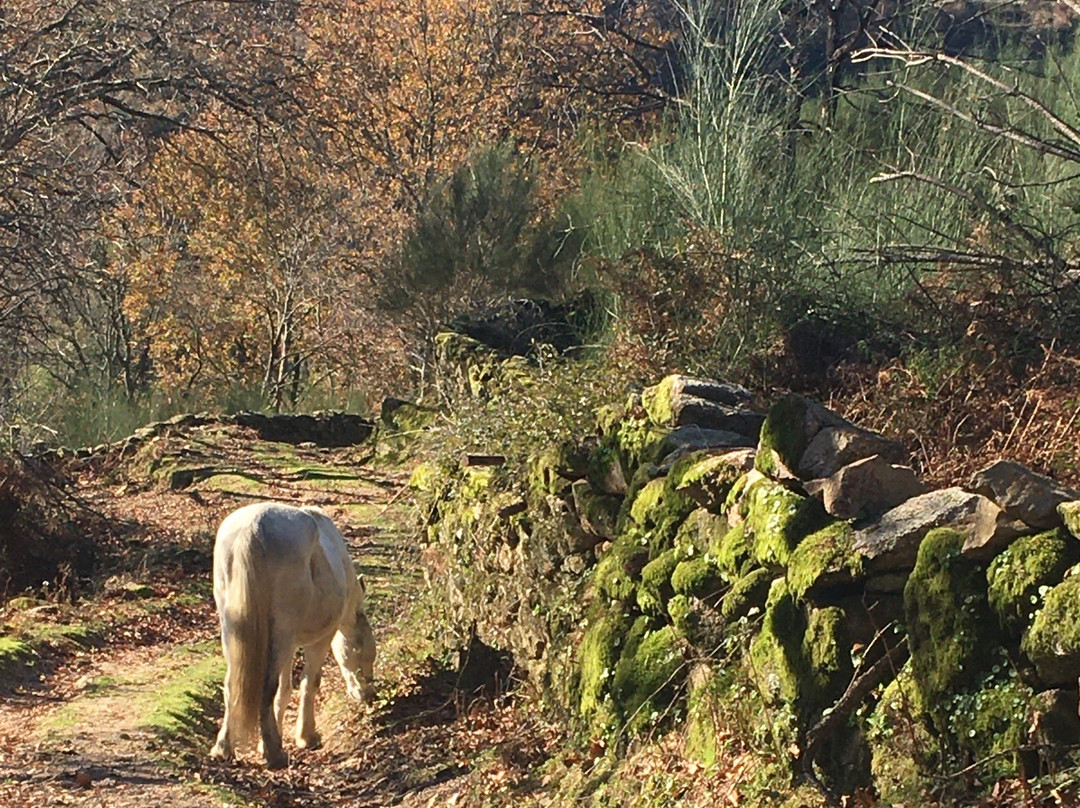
x,y
811,210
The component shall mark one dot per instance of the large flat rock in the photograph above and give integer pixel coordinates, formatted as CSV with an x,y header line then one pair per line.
x,y
891,542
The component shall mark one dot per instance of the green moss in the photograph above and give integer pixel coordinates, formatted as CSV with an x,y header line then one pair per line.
x,y
599,513
700,532
699,578
738,488
660,510
1055,631
800,661
950,626
777,662
637,441
705,724
15,654
732,552
177,706
827,552
597,657
1019,577
657,401
828,652
778,519
784,434
747,595
706,477
426,478
618,571
648,674
410,417
655,589
678,608
1070,512
22,603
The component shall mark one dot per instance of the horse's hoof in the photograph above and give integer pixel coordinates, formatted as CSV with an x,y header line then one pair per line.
x,y
314,742
221,752
278,761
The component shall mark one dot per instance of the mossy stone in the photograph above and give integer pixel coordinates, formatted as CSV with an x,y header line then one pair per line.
x,y
599,653
14,654
747,595
778,519
777,661
991,723
951,630
618,571
597,512
705,725
706,477
800,660
658,401
648,674
901,744
606,469
655,588
783,435
1018,578
681,615
825,557
552,470
660,510
1052,641
1070,513
699,578
700,532
733,552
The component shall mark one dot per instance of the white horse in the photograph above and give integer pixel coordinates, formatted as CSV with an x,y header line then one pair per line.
x,y
283,579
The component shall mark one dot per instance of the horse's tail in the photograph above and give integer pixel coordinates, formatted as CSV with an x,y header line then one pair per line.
x,y
248,647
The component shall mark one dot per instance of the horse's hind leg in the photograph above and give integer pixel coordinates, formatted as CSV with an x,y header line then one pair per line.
x,y
314,657
270,745
284,692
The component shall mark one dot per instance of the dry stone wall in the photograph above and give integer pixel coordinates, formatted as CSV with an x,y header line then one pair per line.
x,y
695,555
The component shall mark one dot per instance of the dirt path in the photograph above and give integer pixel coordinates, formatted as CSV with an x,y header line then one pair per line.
x,y
126,719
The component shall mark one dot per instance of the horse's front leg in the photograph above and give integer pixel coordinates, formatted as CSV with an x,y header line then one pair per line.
x,y
223,747
314,657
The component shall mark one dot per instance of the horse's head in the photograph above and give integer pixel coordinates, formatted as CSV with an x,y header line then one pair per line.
x,y
354,651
